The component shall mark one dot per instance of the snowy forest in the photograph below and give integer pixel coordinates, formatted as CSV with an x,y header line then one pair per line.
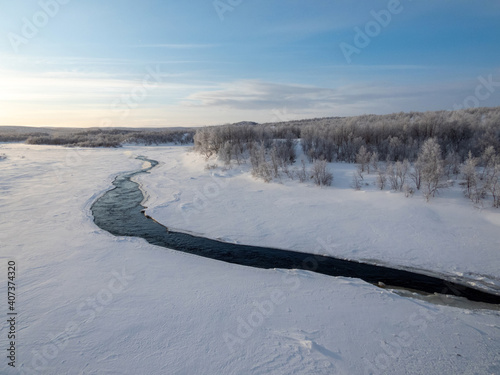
x,y
408,152
97,137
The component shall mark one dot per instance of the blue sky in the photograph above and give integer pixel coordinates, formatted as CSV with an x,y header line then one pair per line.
x,y
202,62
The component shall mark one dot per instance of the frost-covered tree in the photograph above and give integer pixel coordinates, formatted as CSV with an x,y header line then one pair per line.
x,y
491,175
494,183
320,173
397,174
260,167
374,161
488,159
469,174
226,153
288,149
302,172
381,179
275,161
357,178
238,153
431,166
396,149
416,175
401,170
452,164
363,158
390,175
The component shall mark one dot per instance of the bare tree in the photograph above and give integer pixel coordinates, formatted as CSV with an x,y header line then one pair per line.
x,y
452,164
390,174
275,161
381,179
320,173
416,175
357,178
237,153
470,175
302,172
226,152
491,175
363,158
488,159
494,184
260,167
401,170
374,161
431,164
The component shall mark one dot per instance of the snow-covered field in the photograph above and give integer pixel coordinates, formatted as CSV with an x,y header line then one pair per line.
x,y
92,303
447,235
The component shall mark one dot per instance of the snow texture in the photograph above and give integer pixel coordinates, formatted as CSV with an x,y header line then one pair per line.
x,y
92,303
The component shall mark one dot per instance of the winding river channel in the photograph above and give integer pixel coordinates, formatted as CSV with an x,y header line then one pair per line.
x,y
119,211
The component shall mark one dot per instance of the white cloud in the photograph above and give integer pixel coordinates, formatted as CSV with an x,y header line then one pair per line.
x,y
263,100
255,94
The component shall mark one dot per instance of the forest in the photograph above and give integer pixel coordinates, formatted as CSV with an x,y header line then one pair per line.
x,y
408,151
97,137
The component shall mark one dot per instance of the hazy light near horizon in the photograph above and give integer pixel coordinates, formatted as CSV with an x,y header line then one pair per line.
x,y
160,63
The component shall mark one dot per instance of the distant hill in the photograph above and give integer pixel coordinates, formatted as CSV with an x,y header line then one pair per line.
x,y
245,123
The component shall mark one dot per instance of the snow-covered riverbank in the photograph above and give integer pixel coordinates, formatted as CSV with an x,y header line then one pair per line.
x,y
93,303
447,235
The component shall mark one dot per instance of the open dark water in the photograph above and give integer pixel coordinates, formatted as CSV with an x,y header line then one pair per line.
x,y
119,211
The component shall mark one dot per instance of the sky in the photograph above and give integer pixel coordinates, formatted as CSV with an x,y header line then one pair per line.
x,y
162,63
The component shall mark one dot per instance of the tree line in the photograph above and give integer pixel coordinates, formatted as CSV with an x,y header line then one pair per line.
x,y
394,137
101,137
408,151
